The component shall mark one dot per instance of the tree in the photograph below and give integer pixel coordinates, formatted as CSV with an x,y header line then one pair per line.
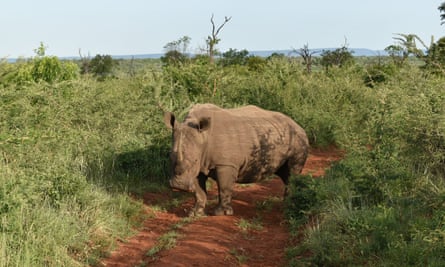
x,y
181,45
84,63
50,68
41,50
174,58
213,40
43,68
339,57
435,58
102,66
306,54
406,45
176,51
234,57
442,9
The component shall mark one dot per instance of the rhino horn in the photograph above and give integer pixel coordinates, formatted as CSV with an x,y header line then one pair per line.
x,y
180,148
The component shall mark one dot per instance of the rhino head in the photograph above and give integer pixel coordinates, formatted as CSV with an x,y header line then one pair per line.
x,y
189,141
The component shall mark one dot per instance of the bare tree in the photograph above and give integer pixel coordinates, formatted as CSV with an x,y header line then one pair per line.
x,y
213,40
85,63
306,54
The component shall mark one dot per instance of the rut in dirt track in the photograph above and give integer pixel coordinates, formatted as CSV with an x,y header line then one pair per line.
x,y
256,235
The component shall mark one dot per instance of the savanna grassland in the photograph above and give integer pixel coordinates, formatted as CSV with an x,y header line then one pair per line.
x,y
76,151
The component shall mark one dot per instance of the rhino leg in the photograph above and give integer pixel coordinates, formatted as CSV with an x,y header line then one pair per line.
x,y
283,172
200,196
226,178
294,165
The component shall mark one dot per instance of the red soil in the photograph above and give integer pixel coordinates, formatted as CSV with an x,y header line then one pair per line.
x,y
219,240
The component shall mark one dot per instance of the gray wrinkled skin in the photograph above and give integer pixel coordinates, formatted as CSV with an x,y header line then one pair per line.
x,y
241,145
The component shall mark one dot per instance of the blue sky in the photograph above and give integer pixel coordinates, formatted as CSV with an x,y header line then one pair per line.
x,y
144,26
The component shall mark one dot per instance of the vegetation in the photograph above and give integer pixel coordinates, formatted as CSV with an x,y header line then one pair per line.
x,y
165,241
442,10
41,68
73,149
101,66
338,57
213,40
176,52
383,204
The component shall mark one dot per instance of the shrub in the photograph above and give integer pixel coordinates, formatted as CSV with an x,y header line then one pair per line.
x,y
378,73
101,66
380,205
45,69
174,58
234,57
198,80
302,200
339,57
51,69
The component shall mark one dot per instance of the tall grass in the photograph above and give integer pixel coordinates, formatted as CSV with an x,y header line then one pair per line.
x,y
383,204
72,153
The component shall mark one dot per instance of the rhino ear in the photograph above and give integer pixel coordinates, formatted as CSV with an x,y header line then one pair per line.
x,y
169,120
204,124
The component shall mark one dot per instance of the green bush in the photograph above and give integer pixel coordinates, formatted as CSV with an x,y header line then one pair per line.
x,y
234,57
339,57
198,80
101,66
50,69
378,73
174,58
302,199
41,69
372,208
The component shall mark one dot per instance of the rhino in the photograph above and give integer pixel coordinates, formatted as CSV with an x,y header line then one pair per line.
x,y
240,145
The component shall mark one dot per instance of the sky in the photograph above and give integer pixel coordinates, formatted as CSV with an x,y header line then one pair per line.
x,y
134,27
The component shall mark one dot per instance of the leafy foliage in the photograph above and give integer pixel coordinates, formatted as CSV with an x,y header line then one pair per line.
x,y
234,57
370,206
405,46
442,10
379,73
42,68
50,69
174,58
435,59
176,52
72,150
339,57
101,66
301,200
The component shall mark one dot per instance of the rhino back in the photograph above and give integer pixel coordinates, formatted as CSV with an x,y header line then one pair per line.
x,y
254,141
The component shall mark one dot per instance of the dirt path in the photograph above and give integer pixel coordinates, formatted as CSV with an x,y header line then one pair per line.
x,y
256,235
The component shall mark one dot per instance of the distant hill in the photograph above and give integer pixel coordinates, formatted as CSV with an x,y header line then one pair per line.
x,y
142,56
357,52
